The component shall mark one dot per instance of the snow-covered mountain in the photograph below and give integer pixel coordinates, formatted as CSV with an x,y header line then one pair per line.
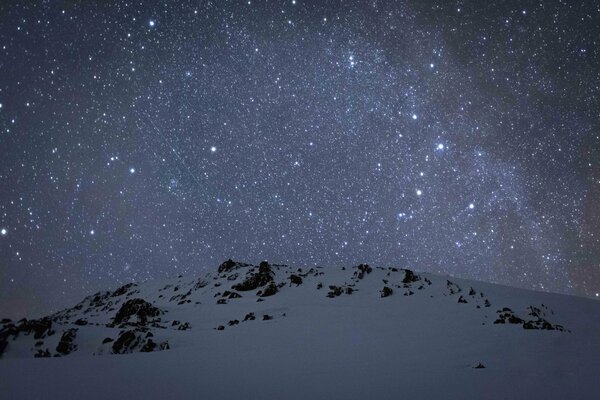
x,y
274,331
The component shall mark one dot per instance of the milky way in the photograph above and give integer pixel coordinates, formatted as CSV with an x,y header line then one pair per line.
x,y
143,141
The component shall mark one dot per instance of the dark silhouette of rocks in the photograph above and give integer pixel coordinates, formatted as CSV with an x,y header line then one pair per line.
x,y
335,291
66,344
270,290
255,280
138,308
386,291
410,276
126,342
295,280
362,269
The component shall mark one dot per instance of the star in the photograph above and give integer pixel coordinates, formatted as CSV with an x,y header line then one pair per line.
x,y
3,232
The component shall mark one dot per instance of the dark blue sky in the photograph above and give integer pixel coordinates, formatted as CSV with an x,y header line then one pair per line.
x,y
143,140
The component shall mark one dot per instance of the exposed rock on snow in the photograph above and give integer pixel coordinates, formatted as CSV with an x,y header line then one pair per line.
x,y
136,311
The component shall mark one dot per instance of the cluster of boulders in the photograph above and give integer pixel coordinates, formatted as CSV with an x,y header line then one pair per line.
x,y
538,320
254,280
40,328
136,312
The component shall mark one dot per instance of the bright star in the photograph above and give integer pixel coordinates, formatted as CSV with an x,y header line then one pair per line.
x,y
151,23
440,146
213,149
471,206
3,232
419,192
414,116
92,232
132,170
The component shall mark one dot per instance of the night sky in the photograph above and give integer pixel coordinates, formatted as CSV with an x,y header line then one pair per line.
x,y
143,140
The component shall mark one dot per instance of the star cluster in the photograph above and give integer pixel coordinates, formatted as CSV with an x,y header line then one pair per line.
x,y
143,140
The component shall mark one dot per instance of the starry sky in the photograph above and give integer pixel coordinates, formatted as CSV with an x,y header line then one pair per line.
x,y
148,139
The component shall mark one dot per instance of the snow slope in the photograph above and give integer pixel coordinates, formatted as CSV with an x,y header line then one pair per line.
x,y
329,333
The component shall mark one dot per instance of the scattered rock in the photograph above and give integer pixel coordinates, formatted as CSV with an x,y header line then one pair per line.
x,y
184,327
250,317
479,366
267,317
386,291
42,353
334,291
362,269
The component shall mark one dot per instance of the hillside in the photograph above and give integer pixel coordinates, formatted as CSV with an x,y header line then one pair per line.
x,y
279,332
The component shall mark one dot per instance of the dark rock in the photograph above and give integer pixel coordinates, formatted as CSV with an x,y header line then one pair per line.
x,y
227,266
81,322
270,290
319,286
362,269
233,322
126,342
138,308
184,327
479,366
462,300
148,346
220,327
295,280
453,287
107,340
334,291
200,283
410,276
66,344
267,317
256,280
472,292
123,289
250,317
42,353
386,291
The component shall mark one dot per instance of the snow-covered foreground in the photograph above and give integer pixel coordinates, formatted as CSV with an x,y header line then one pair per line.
x,y
328,334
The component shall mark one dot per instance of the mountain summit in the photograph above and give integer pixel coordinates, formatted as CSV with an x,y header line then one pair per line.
x,y
274,331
